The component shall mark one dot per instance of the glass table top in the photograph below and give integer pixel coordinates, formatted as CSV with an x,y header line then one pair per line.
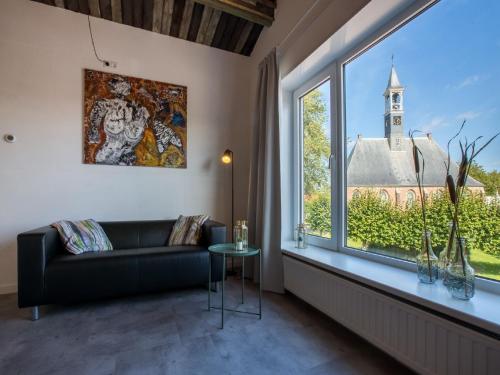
x,y
229,249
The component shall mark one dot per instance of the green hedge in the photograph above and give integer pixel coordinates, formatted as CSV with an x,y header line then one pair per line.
x,y
376,223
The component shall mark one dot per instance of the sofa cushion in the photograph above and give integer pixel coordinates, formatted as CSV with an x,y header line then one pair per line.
x,y
123,235
155,233
187,230
91,276
125,271
136,234
82,236
172,267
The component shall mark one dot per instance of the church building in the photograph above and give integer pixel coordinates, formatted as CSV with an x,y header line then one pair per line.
x,y
385,165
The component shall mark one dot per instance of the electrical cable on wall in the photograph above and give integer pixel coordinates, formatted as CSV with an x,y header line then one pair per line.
x,y
106,63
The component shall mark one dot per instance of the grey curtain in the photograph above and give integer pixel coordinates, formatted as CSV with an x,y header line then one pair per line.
x,y
264,204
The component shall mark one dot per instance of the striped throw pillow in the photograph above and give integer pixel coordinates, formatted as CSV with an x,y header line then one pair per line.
x,y
83,236
187,230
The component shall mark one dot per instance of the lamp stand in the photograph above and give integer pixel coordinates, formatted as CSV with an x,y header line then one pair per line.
x,y
232,272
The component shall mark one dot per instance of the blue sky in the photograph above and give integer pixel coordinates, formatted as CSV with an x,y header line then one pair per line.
x,y
448,59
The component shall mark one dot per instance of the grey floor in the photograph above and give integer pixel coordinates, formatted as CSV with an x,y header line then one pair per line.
x,y
173,333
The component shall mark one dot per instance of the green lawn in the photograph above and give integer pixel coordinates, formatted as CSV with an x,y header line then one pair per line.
x,y
484,264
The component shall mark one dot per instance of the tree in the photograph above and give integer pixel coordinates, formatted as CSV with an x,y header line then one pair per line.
x,y
317,209
490,180
316,143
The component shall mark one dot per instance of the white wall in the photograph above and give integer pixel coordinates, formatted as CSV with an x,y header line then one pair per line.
x,y
43,51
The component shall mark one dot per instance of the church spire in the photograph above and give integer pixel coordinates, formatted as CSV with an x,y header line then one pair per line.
x,y
394,130
393,79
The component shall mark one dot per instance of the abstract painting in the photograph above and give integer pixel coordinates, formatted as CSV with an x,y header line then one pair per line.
x,y
133,121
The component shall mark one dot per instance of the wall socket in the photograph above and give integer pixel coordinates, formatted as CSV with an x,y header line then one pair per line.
x,y
109,64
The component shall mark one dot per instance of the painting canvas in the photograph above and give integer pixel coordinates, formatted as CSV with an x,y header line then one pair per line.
x,y
133,121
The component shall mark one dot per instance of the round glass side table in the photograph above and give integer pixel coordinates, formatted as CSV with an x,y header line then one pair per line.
x,y
229,250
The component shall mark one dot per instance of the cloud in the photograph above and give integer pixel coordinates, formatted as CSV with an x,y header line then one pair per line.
x,y
469,115
471,80
435,123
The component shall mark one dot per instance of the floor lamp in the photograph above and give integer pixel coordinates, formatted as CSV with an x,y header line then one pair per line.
x,y
228,158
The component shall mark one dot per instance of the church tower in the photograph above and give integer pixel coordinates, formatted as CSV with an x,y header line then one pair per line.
x,y
394,111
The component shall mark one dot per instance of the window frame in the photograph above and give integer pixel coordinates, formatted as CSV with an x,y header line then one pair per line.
x,y
335,72
327,74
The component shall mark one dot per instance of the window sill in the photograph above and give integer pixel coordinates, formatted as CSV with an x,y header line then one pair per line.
x,y
481,311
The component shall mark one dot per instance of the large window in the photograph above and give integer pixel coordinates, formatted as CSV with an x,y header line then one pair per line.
x,y
441,68
429,74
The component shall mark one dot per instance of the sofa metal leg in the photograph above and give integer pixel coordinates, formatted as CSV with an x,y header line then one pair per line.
x,y
35,313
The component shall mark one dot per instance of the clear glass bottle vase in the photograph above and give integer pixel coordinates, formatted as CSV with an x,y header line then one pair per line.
x,y
447,254
459,274
244,234
301,236
238,236
427,261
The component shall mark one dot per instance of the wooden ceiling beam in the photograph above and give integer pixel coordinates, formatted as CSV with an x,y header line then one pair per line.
x,y
166,21
232,25
186,19
116,10
242,9
157,15
95,11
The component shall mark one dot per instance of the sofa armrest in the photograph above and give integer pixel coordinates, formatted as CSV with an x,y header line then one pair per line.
x,y
213,233
34,249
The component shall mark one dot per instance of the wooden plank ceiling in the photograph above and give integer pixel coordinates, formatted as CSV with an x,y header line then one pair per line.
x,y
231,25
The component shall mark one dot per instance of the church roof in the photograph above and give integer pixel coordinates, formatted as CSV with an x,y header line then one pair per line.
x,y
372,163
393,79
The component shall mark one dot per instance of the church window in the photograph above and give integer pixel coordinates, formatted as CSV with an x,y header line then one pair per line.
x,y
410,197
384,195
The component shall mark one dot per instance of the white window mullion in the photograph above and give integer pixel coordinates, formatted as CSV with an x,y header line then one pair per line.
x,y
339,189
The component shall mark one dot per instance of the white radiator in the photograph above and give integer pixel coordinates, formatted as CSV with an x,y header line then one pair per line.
x,y
421,340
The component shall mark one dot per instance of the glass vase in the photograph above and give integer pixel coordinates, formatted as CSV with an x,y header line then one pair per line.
x,y
244,234
427,261
238,236
301,236
460,275
447,254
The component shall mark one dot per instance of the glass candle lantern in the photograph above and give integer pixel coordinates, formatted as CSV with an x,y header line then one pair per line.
x,y
301,236
238,236
244,234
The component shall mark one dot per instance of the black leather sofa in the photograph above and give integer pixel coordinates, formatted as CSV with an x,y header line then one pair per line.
x,y
141,262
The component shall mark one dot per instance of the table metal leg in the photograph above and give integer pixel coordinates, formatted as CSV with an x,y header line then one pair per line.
x,y
260,284
209,278
242,280
223,277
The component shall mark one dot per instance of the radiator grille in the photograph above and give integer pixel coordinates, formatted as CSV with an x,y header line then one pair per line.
x,y
423,341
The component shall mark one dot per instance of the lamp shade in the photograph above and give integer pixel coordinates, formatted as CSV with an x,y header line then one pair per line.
x,y
227,157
